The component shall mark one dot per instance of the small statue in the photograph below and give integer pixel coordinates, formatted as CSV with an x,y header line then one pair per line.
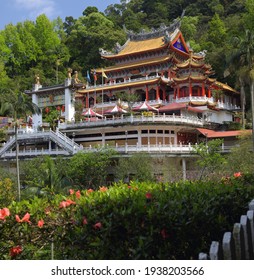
x,y
76,79
69,73
37,79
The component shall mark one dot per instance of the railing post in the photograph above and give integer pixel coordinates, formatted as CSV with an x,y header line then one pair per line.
x,y
239,241
250,215
215,251
228,246
244,221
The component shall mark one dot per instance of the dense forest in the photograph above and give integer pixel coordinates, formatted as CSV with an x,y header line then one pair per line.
x,y
48,47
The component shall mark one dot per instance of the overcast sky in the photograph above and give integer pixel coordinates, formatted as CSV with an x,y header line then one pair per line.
x,y
13,11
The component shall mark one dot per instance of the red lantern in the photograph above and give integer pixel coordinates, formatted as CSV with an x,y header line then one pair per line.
x,y
63,108
58,108
47,110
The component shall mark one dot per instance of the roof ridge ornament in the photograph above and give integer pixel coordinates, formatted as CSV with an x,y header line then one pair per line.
x,y
163,30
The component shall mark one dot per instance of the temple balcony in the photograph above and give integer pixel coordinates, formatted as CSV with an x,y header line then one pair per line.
x,y
188,99
113,121
122,149
205,99
124,104
227,106
126,82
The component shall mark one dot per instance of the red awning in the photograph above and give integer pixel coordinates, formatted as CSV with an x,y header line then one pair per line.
x,y
219,134
145,107
90,113
179,106
115,110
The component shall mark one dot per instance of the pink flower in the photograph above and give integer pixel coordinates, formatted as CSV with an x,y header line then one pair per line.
x,y
66,203
5,212
14,251
129,187
237,174
103,189
25,219
85,221
89,191
40,223
148,195
97,225
71,191
78,194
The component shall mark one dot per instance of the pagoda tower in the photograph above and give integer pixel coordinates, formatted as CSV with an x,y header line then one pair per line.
x,y
192,82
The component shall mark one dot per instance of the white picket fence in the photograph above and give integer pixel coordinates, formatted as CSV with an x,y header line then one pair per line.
x,y
235,245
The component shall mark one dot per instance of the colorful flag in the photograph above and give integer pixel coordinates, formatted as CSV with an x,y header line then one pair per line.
x,y
94,76
88,77
103,74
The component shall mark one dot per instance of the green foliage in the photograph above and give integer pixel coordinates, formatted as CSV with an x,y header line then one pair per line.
x,y
137,167
241,156
43,176
8,189
211,160
52,117
140,221
89,170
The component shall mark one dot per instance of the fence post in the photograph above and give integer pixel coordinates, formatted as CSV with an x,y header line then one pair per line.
x,y
215,251
203,256
251,205
228,246
239,241
250,215
244,221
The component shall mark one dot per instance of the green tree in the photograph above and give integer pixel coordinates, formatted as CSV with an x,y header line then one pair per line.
x,y
137,167
217,31
210,159
44,176
88,34
241,158
20,106
89,170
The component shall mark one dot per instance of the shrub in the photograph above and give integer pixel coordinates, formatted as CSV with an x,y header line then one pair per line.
x,y
136,221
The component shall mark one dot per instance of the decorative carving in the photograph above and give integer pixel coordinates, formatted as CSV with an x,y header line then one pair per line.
x,y
103,52
201,53
118,47
163,30
166,38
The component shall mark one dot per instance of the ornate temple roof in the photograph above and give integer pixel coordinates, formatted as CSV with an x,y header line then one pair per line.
x,y
139,63
154,39
225,87
117,86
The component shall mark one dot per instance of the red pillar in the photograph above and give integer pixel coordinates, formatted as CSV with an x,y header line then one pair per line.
x,y
190,89
87,101
203,89
209,93
157,93
147,93
178,91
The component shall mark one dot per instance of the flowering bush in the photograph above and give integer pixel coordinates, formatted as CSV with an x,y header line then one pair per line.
x,y
136,221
